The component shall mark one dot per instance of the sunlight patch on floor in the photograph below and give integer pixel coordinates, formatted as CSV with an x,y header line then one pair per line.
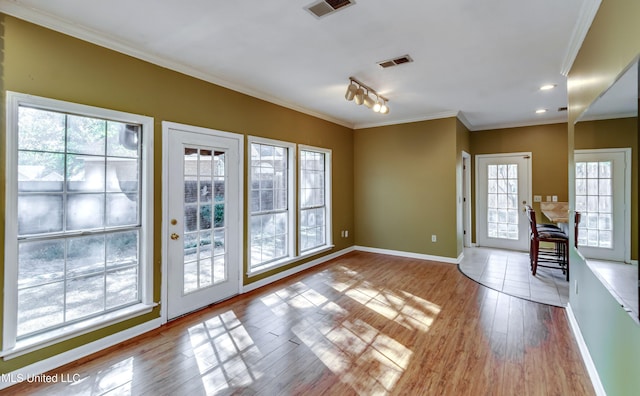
x,y
117,379
224,352
362,356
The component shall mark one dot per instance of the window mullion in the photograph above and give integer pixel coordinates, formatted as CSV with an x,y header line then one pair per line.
x,y
64,281
65,195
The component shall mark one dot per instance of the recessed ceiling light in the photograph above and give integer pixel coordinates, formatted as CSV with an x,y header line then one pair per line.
x,y
540,111
547,87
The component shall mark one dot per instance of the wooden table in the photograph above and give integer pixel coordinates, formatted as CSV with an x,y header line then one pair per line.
x,y
557,212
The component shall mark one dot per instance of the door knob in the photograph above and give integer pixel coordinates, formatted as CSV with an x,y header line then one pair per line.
x,y
175,236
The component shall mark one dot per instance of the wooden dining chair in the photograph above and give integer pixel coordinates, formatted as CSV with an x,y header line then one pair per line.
x,y
541,257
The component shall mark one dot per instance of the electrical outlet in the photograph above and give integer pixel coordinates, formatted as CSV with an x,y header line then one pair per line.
x,y
434,238
346,233
548,198
554,198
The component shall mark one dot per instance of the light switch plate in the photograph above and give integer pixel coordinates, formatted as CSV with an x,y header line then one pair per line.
x,y
537,198
555,198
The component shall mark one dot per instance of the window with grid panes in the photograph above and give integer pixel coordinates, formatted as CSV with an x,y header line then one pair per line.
x,y
76,215
314,187
594,200
270,203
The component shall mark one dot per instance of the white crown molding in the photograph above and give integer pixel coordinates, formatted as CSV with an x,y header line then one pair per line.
x,y
435,116
585,19
460,115
13,8
609,116
464,121
555,120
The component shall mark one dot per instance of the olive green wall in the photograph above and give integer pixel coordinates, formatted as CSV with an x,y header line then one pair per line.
x,y
405,187
548,147
41,62
618,133
611,335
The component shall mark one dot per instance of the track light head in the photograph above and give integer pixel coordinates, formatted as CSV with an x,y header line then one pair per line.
x,y
368,101
377,106
351,91
359,96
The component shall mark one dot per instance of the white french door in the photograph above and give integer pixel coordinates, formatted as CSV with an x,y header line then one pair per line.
x,y
602,197
503,187
202,231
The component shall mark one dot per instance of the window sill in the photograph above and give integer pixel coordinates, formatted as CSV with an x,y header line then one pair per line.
x,y
281,263
34,343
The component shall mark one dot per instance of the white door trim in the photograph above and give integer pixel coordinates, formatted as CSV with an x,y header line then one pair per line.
x,y
627,191
467,196
480,157
166,126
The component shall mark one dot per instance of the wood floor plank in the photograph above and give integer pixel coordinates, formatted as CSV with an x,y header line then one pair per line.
x,y
360,324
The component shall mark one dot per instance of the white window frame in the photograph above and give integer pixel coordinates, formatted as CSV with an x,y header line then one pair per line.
x,y
291,212
11,347
327,198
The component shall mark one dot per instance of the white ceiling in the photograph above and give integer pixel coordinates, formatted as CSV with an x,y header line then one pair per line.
x,y
484,60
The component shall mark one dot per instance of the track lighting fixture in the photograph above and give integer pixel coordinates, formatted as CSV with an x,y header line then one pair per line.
x,y
362,94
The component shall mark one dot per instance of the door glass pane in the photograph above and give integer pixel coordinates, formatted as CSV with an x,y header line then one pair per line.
x,y
204,182
594,197
502,199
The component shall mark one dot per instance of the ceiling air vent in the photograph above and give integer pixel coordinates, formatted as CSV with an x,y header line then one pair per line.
x,y
562,109
325,7
396,61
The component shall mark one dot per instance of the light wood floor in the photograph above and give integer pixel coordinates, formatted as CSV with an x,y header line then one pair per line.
x,y
361,324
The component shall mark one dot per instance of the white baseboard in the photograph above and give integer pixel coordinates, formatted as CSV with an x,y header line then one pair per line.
x,y
63,358
584,351
294,270
420,256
